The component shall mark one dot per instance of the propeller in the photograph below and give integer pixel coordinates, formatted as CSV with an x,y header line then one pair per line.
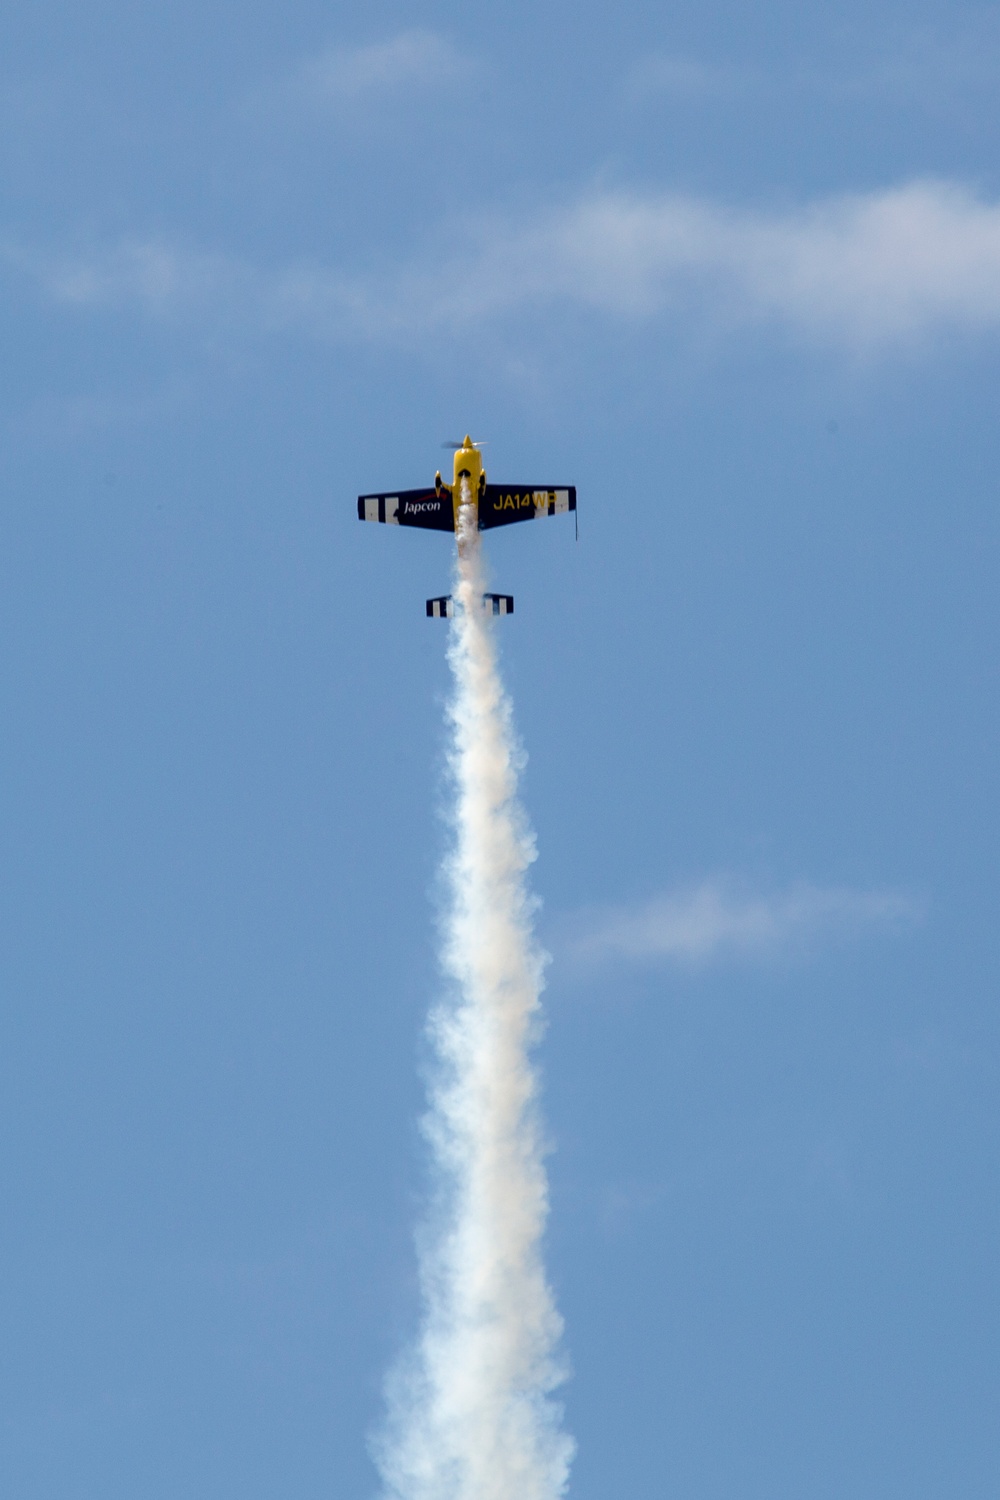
x,y
478,443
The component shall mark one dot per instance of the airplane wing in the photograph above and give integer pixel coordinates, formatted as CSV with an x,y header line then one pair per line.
x,y
503,504
425,508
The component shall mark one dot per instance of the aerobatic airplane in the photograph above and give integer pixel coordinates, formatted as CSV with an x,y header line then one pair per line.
x,y
438,509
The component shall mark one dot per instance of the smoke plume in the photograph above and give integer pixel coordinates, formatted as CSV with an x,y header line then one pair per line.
x,y
472,1415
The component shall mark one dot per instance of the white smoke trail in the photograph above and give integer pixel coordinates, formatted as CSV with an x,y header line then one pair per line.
x,y
471,1413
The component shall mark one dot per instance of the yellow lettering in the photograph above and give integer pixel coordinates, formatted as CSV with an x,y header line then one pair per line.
x,y
508,504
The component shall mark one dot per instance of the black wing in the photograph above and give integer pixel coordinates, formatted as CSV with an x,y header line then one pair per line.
x,y
426,508
502,504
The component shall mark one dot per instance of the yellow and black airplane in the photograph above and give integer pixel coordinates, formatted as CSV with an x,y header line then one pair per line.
x,y
438,509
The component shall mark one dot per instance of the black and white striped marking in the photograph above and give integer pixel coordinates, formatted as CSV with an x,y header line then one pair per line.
x,y
443,607
384,508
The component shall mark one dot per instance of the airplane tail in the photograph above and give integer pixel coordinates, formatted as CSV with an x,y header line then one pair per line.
x,y
443,607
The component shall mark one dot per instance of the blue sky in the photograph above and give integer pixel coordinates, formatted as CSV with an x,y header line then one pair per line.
x,y
735,273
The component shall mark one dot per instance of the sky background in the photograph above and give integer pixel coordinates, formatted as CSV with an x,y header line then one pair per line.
x,y
734,272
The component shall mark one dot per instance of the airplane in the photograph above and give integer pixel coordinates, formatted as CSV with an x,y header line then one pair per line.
x,y
438,509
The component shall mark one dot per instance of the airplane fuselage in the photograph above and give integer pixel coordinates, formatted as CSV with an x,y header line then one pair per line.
x,y
465,507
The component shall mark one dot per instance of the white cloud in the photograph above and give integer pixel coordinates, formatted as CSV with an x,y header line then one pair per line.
x,y
684,78
863,272
348,74
720,920
157,276
920,66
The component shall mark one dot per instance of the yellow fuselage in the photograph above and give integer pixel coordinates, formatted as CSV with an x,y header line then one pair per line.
x,y
468,465
470,477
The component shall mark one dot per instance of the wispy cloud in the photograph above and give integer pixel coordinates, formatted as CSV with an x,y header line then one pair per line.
x,y
865,272
922,65
720,920
350,75
151,274
684,78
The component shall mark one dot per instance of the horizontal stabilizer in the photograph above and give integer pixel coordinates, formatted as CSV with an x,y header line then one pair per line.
x,y
443,608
